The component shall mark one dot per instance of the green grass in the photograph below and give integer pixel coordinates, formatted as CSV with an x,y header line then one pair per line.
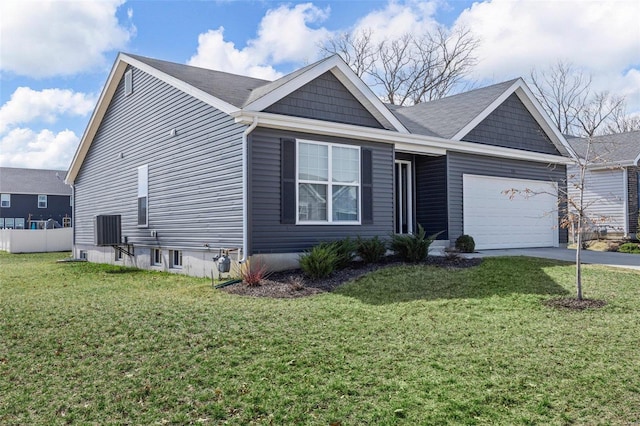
x,y
93,344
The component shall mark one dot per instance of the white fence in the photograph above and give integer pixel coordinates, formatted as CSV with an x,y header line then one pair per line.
x,y
36,240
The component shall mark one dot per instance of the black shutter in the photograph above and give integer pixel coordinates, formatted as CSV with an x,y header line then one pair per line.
x,y
288,181
367,186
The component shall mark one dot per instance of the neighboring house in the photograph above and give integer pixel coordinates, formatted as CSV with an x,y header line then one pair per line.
x,y
34,198
612,182
186,161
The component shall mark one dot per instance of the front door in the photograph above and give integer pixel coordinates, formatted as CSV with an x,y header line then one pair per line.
x,y
403,197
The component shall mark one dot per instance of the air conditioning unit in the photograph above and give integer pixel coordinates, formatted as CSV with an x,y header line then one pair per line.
x,y
107,230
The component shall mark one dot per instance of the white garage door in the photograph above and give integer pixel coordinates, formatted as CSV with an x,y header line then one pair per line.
x,y
495,220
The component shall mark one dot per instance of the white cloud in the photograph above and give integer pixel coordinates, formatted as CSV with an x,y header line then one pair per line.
x,y
27,105
601,37
44,150
48,38
284,35
398,19
216,53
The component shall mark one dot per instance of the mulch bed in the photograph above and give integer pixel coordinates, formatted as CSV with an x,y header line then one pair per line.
x,y
574,304
293,283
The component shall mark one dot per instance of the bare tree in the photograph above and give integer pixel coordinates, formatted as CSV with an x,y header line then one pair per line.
x,y
410,69
621,122
561,90
565,94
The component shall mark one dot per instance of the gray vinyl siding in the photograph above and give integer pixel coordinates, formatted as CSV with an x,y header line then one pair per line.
x,y
459,164
511,125
195,180
325,98
269,235
633,188
431,194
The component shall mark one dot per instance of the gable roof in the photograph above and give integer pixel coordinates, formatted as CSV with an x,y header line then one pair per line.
x,y
230,93
231,88
33,181
447,116
619,149
455,116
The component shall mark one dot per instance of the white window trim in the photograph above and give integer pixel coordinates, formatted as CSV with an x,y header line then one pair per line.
x,y
5,198
46,201
172,257
128,82
329,184
143,191
153,257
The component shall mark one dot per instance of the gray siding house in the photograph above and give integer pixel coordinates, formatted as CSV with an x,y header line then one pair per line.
x,y
186,162
612,182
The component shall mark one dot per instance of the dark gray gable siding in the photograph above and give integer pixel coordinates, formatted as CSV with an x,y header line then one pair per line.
x,y
431,194
459,164
325,98
269,235
512,126
195,181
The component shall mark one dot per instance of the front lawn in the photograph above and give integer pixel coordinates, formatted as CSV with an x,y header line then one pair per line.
x,y
92,344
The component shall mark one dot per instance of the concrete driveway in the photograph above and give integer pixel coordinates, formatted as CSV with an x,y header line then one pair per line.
x,y
620,260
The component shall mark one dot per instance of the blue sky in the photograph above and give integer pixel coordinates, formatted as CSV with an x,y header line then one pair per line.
x,y
55,55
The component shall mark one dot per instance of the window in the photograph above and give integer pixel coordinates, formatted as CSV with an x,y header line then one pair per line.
x,y
1,222
156,257
328,183
143,194
5,200
9,223
175,257
128,82
19,222
118,254
66,222
42,201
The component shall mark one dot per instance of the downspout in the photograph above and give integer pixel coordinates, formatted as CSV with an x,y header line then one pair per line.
x,y
245,189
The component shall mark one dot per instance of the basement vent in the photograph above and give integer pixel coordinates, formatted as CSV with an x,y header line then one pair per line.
x,y
107,230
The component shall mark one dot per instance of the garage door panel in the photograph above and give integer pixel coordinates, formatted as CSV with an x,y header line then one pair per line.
x,y
495,220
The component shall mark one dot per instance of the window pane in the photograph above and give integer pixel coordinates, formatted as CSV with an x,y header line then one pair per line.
x,y
42,201
345,203
313,202
345,165
142,211
313,162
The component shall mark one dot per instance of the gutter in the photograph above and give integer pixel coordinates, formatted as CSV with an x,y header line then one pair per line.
x,y
245,189
428,145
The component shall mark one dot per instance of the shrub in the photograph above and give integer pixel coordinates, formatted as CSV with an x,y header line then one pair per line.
x,y
319,262
413,247
253,272
465,244
345,251
371,250
629,248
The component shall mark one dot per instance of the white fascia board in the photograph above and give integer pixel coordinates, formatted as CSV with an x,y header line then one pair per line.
x,y
409,142
117,71
108,91
528,99
346,76
365,95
